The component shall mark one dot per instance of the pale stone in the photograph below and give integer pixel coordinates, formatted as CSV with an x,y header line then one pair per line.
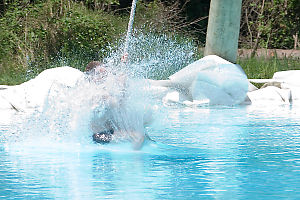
x,y
271,94
32,94
215,79
251,87
290,80
4,87
291,77
295,92
4,104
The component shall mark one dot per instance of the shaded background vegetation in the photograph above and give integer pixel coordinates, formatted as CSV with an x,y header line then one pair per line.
x,y
39,34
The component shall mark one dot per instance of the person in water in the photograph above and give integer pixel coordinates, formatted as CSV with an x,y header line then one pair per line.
x,y
110,125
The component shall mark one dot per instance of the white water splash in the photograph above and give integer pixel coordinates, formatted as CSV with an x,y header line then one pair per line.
x,y
153,55
130,26
68,111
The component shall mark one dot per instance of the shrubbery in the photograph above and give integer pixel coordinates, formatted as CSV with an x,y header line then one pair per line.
x,y
49,34
36,35
270,24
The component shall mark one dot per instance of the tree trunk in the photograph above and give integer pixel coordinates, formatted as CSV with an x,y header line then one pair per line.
x,y
258,30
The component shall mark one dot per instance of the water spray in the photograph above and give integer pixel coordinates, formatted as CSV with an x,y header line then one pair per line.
x,y
129,30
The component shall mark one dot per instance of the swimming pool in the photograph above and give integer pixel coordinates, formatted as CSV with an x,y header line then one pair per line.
x,y
241,152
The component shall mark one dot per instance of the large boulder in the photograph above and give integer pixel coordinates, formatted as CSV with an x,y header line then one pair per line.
x,y
214,79
32,94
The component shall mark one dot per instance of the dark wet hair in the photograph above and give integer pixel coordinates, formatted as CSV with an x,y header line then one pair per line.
x,y
103,137
92,65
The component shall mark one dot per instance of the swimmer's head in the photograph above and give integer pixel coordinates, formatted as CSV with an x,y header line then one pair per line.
x,y
103,137
92,65
97,69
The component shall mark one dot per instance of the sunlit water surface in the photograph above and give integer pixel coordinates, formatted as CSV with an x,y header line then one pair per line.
x,y
242,152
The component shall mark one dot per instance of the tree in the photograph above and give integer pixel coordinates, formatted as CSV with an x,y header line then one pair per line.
x,y
270,24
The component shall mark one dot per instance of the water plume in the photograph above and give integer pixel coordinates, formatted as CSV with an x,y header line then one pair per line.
x,y
68,111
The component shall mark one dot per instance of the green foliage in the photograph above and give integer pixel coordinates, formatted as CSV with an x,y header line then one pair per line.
x,y
82,31
270,24
43,34
100,4
264,68
12,75
105,2
283,24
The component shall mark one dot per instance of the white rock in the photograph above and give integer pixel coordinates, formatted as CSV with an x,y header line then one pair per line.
x,y
15,96
251,87
290,80
4,87
4,103
290,77
270,95
295,92
215,79
32,94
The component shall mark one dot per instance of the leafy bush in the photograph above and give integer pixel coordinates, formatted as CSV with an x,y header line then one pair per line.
x,y
84,32
47,34
270,24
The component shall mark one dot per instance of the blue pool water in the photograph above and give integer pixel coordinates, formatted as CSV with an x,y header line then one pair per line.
x,y
242,152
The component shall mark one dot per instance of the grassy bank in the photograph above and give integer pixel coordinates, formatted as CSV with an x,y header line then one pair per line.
x,y
264,68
